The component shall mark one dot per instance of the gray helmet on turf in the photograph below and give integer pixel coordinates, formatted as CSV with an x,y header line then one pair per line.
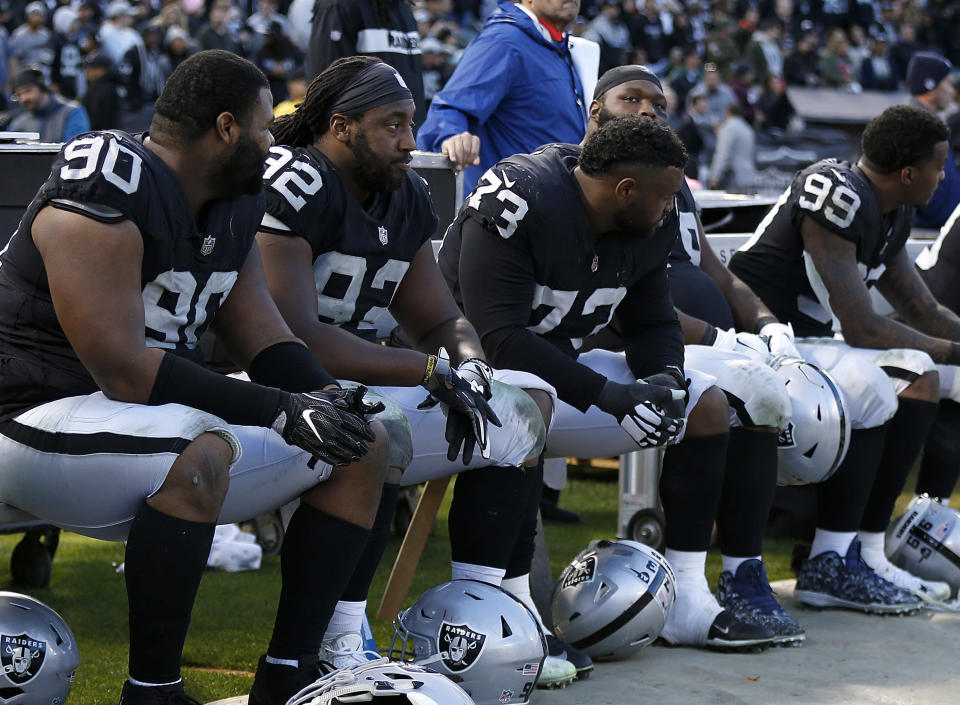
x,y
925,541
476,634
38,653
401,683
815,441
613,599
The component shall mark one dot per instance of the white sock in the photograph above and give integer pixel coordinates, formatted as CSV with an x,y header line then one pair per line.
x,y
155,685
731,563
519,587
689,568
470,571
871,546
838,541
347,617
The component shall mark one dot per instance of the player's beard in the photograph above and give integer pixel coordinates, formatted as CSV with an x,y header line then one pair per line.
x,y
373,174
242,171
604,116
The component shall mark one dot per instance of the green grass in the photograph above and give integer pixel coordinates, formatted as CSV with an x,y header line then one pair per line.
x,y
234,613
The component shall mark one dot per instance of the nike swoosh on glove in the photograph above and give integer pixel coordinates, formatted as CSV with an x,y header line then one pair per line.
x,y
329,424
465,392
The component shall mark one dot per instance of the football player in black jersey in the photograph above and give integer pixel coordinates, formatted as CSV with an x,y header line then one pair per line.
x,y
837,231
761,405
548,249
111,427
939,265
346,243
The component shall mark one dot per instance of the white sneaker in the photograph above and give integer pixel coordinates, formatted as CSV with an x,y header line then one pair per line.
x,y
345,651
928,590
556,673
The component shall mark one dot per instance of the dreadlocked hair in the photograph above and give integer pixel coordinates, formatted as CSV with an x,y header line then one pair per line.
x,y
311,119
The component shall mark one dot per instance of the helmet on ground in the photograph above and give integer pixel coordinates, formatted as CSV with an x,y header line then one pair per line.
x,y
478,635
815,441
613,599
925,541
38,653
400,683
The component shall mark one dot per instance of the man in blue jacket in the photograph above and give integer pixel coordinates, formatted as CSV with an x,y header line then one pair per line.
x,y
930,79
514,89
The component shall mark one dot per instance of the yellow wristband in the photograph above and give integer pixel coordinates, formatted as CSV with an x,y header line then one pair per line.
x,y
431,366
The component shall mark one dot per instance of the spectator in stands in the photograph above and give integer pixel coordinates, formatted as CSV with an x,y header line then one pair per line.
x,y
102,100
764,53
836,69
683,79
278,58
296,92
55,118
774,109
32,43
117,35
879,71
7,66
733,167
748,23
267,13
721,50
216,34
437,67
905,48
515,88
692,130
382,28
718,94
67,70
800,67
859,48
930,81
650,29
179,46
157,69
743,83
609,30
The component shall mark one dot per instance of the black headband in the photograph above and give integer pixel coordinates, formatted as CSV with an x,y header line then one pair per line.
x,y
621,74
376,85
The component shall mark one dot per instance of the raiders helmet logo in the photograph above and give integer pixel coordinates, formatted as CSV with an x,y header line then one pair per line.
x,y
382,233
22,657
459,646
209,242
579,572
785,439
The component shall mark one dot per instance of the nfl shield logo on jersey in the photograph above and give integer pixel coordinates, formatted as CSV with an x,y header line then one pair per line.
x,y
459,646
22,657
208,244
382,232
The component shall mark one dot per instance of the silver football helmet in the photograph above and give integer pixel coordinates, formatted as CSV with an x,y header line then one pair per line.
x,y
925,541
400,683
478,635
815,441
613,599
38,653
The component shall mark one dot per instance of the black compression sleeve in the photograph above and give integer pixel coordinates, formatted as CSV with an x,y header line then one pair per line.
x,y
289,366
497,286
652,336
180,381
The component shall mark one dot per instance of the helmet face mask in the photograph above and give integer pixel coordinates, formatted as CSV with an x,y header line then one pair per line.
x,y
38,653
478,635
815,441
925,541
613,599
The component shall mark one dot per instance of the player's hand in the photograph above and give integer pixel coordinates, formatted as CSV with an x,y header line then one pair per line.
x,y
780,339
329,424
749,344
465,391
640,409
463,149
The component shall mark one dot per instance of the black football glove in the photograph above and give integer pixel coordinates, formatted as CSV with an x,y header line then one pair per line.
x,y
465,391
641,410
329,424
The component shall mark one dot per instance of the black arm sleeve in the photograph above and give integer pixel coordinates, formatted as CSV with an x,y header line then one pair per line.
x,y
497,285
651,332
180,381
289,366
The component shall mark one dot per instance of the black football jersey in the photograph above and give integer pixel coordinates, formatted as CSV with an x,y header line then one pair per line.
x,y
939,263
839,197
360,254
189,266
693,291
534,204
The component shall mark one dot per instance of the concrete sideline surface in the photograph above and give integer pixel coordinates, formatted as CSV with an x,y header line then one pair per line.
x,y
848,659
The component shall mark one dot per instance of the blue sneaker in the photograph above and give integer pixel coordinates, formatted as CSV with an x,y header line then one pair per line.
x,y
831,581
749,597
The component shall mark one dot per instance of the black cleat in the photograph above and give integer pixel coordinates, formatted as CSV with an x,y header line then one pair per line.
x,y
275,684
155,695
727,633
580,661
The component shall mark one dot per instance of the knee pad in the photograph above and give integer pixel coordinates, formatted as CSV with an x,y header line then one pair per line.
x,y
396,425
903,366
523,433
868,391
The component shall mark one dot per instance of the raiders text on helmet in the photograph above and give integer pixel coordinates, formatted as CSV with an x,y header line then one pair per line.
x,y
480,636
815,441
925,541
613,599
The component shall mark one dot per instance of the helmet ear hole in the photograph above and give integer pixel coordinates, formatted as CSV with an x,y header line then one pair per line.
x,y
505,631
